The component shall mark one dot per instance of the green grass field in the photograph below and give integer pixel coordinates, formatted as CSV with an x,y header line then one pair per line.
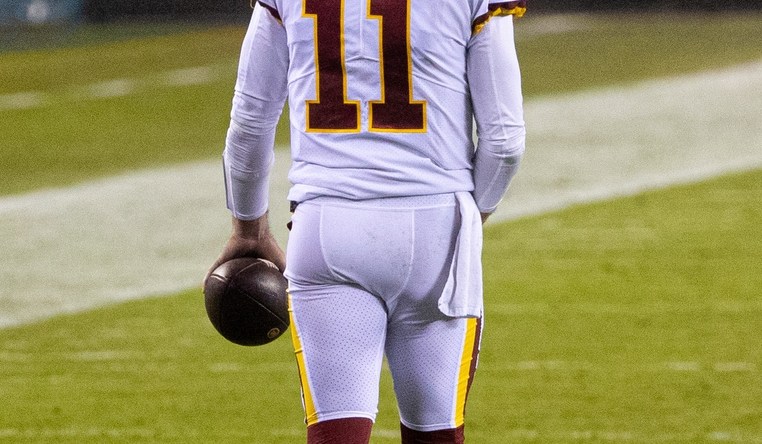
x,y
632,320
635,320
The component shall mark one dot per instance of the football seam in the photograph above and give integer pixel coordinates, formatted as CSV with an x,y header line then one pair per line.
x,y
226,283
269,264
241,290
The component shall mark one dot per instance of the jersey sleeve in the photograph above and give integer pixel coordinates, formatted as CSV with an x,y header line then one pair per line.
x,y
498,9
495,86
270,6
260,93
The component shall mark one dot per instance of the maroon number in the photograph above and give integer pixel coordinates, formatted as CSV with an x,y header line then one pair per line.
x,y
396,111
331,111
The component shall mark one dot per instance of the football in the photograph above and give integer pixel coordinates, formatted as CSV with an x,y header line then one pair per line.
x,y
246,301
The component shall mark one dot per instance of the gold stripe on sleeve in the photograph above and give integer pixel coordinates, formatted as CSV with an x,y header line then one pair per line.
x,y
516,9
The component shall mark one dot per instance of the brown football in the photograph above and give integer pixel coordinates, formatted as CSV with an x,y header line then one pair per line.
x,y
246,301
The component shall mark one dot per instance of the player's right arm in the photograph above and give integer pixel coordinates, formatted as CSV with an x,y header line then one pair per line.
x,y
260,92
495,85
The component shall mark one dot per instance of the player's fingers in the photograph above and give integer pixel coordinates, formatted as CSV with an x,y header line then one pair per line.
x,y
231,250
273,253
240,247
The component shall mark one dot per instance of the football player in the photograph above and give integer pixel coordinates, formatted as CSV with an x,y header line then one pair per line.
x,y
389,194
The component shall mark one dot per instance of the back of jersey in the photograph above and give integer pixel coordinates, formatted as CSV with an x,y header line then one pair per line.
x,y
378,96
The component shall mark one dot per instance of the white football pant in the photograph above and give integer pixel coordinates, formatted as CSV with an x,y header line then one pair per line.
x,y
364,280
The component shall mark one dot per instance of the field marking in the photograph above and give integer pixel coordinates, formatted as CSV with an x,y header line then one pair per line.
x,y
74,432
191,76
623,309
562,366
514,435
120,87
24,100
72,249
201,75
536,26
534,435
110,89
607,143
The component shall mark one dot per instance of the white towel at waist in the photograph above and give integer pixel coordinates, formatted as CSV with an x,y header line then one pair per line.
x,y
463,293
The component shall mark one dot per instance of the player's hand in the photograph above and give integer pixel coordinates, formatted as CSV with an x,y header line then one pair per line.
x,y
251,238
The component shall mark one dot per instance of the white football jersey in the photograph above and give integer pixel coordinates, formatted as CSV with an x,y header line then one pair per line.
x,y
378,94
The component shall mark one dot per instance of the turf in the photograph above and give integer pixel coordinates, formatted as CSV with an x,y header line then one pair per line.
x,y
619,49
76,34
637,310
634,320
67,142
53,69
70,141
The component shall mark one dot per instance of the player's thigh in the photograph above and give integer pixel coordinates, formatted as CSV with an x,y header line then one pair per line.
x,y
338,334
338,328
433,364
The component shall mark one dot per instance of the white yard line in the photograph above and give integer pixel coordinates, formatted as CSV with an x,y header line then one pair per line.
x,y
535,26
154,232
649,309
24,100
113,88
602,435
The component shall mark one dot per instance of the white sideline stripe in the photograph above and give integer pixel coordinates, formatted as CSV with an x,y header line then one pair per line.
x,y
134,235
600,144
154,232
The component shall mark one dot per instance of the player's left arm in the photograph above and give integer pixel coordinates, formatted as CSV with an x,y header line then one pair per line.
x,y
495,84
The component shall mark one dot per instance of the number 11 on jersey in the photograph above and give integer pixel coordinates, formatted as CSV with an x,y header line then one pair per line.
x,y
332,111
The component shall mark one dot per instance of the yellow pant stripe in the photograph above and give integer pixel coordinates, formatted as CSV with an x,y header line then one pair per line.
x,y
309,406
470,343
